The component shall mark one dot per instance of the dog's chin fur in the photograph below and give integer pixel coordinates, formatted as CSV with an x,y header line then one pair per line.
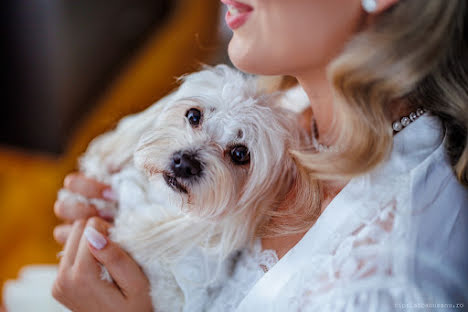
x,y
163,218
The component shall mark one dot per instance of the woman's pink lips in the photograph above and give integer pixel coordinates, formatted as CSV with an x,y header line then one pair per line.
x,y
240,18
238,5
236,21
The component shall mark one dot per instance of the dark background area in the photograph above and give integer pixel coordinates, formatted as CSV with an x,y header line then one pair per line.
x,y
59,56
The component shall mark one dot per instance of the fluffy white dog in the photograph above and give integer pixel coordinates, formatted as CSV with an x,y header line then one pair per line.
x,y
198,175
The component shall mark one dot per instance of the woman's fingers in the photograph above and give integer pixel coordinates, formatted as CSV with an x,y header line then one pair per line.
x,y
85,262
71,246
92,232
69,209
61,233
100,225
87,187
124,270
79,285
79,275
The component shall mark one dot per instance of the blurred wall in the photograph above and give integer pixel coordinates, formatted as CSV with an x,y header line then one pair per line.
x,y
59,55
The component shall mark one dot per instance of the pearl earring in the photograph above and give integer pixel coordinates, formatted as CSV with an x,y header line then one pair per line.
x,y
369,5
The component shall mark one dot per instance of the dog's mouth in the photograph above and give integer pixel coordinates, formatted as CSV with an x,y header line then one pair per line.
x,y
173,183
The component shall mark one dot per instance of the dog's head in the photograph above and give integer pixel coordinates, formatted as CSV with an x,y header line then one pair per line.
x,y
219,149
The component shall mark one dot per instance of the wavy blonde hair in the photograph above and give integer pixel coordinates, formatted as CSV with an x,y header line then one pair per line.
x,y
415,53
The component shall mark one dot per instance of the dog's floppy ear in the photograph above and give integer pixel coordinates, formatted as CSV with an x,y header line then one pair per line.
x,y
300,205
112,150
307,192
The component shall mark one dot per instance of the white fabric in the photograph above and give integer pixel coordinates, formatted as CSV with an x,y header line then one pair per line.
x,y
32,290
394,239
250,266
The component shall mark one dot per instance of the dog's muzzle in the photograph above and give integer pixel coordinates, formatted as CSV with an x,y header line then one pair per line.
x,y
186,165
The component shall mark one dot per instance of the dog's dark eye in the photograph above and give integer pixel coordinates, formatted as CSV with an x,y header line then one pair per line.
x,y
240,155
194,116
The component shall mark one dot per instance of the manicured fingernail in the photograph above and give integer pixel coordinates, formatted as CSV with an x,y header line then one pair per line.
x,y
96,239
109,194
106,214
60,254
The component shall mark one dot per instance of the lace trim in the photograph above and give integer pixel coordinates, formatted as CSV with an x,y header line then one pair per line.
x,y
248,269
266,259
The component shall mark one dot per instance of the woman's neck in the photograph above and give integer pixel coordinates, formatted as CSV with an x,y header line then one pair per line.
x,y
319,91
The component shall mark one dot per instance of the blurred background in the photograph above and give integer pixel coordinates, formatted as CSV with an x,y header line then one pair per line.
x,y
71,70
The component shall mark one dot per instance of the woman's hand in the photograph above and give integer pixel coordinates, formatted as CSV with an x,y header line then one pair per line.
x,y
70,211
78,285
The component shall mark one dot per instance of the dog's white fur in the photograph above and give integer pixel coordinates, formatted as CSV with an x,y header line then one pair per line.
x,y
181,240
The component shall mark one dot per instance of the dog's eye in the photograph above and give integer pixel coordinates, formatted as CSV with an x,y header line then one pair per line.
x,y
194,116
240,155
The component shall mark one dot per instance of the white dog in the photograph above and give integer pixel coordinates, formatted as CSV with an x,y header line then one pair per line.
x,y
198,175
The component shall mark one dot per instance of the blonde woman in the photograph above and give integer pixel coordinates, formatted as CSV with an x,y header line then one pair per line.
x,y
386,230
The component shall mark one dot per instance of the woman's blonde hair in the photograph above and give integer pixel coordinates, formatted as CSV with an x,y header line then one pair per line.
x,y
416,53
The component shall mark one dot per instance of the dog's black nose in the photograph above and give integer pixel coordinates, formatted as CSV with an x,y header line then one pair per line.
x,y
186,165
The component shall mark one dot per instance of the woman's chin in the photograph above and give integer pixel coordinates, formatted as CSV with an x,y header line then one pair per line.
x,y
249,59
238,54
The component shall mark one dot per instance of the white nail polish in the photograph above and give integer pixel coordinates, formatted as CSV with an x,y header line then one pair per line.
x,y
106,213
96,239
109,194
369,6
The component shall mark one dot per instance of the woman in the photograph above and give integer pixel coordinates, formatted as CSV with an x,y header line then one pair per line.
x,y
392,215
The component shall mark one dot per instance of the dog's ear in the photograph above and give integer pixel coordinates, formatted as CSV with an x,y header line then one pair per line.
x,y
111,151
299,207
307,192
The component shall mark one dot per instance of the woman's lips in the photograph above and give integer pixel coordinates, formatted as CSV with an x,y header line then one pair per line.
x,y
237,13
